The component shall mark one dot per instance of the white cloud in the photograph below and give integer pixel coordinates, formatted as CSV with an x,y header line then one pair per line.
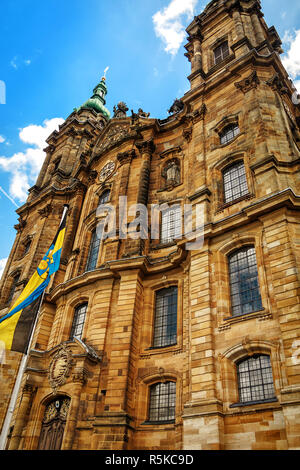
x,y
291,60
168,24
3,262
24,166
2,139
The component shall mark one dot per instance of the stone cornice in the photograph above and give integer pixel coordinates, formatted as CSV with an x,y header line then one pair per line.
x,y
50,191
252,59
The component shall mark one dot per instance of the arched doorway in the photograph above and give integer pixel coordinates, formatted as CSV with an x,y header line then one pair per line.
x,y
54,422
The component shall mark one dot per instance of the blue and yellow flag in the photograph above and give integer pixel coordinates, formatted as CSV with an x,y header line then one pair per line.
x,y
16,326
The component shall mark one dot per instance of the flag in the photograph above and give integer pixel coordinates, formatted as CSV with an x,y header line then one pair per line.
x,y
17,324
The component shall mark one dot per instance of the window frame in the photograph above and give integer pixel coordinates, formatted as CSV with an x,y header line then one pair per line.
x,y
233,128
75,324
102,198
172,229
239,292
242,179
258,378
93,252
171,417
167,316
222,55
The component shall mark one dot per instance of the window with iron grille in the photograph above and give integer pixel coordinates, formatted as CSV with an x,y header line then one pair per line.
x,y
245,293
162,402
104,197
78,321
165,323
13,288
235,182
229,133
171,224
255,379
93,252
221,52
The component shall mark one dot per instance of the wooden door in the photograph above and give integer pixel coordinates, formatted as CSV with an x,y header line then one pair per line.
x,y
54,424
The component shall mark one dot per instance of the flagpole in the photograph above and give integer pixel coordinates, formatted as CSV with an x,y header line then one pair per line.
x,y
22,368
15,393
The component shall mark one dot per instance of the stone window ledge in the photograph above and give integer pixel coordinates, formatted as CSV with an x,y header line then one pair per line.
x,y
172,348
260,315
251,403
157,423
245,197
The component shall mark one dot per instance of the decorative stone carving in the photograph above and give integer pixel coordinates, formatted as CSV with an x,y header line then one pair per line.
x,y
248,83
120,111
45,211
140,114
277,85
126,157
176,107
20,226
145,146
114,135
60,368
106,171
92,176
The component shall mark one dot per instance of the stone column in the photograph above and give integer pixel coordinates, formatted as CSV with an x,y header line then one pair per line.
x,y
26,398
285,281
257,28
197,58
238,24
203,427
112,427
69,434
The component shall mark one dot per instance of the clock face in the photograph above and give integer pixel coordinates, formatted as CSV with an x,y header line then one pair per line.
x,y
106,171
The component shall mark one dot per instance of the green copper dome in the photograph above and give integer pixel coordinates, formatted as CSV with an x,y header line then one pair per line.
x,y
97,101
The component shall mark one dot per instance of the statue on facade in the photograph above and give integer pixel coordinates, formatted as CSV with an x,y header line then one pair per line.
x,y
171,172
120,110
176,107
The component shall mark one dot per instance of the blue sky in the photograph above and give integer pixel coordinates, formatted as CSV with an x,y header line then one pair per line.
x,y
54,52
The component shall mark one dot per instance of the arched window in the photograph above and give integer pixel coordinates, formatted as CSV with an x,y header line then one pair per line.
x,y
165,323
171,224
78,321
26,247
93,252
228,133
221,52
13,287
104,197
235,182
162,402
255,379
245,294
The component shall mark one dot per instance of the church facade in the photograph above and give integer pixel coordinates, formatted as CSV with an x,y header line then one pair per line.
x,y
146,342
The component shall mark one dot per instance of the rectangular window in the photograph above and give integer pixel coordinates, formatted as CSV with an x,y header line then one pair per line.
x,y
78,321
245,293
165,324
235,182
221,52
162,402
255,379
171,224
93,252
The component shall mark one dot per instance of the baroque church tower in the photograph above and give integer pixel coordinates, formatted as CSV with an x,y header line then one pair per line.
x,y
142,343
